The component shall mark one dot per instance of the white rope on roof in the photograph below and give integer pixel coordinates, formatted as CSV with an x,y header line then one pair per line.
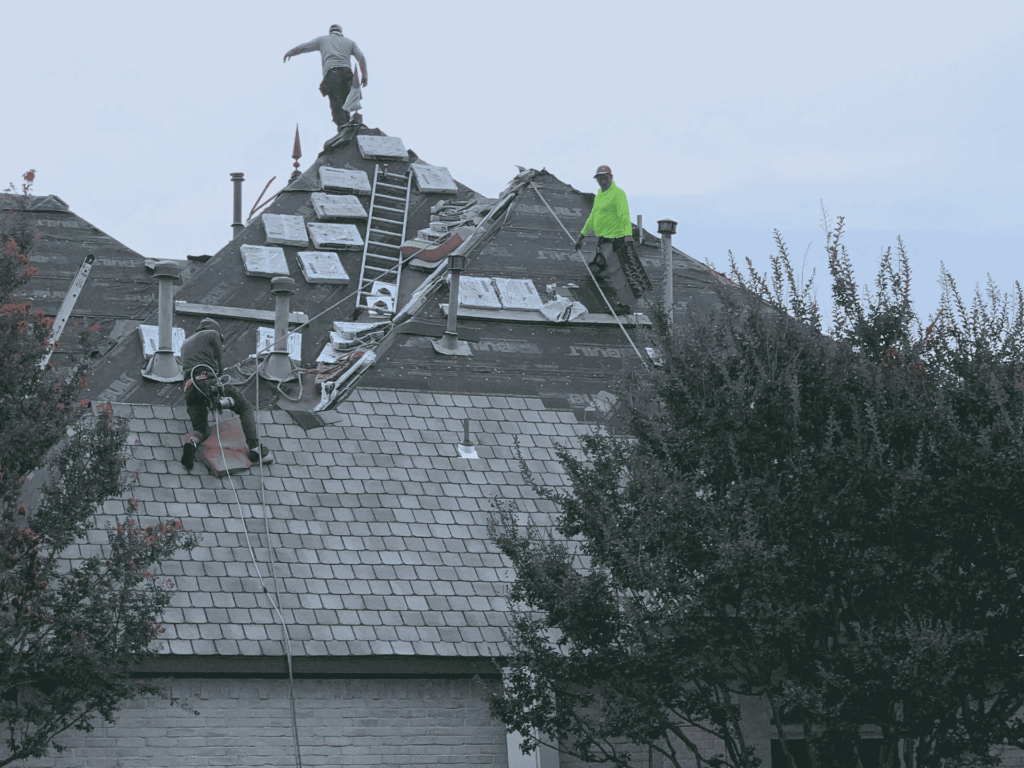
x,y
610,310
286,640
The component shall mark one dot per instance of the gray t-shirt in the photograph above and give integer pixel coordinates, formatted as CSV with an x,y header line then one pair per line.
x,y
335,51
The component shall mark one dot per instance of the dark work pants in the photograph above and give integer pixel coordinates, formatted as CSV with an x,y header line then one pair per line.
x,y
335,86
613,275
199,405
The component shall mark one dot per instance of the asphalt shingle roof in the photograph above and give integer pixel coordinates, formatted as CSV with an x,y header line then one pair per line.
x,y
379,528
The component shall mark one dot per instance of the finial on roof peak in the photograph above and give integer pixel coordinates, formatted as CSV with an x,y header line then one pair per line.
x,y
296,154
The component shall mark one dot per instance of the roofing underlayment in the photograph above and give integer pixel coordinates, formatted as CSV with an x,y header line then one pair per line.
x,y
378,522
63,242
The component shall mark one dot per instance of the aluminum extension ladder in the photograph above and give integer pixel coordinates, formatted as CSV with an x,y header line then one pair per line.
x,y
381,270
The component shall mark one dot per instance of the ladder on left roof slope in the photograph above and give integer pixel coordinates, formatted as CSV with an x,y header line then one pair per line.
x,y
381,270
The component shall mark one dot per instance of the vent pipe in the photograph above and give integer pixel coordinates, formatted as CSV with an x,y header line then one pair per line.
x,y
163,366
279,366
640,229
236,224
466,449
667,228
449,344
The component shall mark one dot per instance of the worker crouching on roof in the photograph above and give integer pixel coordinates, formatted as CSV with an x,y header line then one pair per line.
x,y
609,220
336,52
201,360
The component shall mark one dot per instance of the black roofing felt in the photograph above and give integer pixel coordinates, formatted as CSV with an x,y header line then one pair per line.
x,y
565,365
223,282
118,293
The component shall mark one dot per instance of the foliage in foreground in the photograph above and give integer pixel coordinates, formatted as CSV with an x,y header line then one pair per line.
x,y
826,525
71,628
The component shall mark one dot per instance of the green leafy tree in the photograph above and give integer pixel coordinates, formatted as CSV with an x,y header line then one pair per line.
x,y
829,524
71,629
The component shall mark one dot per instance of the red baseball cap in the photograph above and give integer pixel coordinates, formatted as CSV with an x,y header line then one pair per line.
x,y
601,169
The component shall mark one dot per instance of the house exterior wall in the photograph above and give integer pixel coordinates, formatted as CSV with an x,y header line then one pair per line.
x,y
247,723
756,733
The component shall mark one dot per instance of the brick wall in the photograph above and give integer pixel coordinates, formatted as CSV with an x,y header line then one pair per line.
x,y
374,722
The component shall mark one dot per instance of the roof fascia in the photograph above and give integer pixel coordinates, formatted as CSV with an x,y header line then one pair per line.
x,y
319,666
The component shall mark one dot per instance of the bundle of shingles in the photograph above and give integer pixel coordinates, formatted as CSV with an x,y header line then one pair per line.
x,y
451,224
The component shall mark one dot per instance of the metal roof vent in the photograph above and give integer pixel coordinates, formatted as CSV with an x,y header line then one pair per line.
x,y
279,366
449,344
237,225
466,449
164,366
667,228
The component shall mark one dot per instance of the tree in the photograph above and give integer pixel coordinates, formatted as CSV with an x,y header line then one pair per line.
x,y
830,523
71,629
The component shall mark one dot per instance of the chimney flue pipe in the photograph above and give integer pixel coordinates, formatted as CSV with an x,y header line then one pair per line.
x,y
449,344
163,366
667,228
279,366
236,224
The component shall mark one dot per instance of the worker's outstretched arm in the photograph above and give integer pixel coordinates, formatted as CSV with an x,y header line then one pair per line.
x,y
304,48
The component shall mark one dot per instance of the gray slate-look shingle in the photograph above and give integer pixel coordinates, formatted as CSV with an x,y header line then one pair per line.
x,y
379,528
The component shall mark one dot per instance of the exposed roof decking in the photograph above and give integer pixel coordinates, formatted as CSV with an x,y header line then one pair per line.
x,y
380,529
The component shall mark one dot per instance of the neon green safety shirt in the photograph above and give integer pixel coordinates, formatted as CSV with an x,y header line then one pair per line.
x,y
610,215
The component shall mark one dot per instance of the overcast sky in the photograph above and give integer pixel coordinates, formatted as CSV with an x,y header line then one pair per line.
x,y
732,118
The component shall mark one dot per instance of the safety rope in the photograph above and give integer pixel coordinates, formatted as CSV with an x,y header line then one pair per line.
x,y
275,603
275,598
643,360
271,550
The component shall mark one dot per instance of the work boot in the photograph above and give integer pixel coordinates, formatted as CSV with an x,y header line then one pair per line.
x,y
259,454
188,455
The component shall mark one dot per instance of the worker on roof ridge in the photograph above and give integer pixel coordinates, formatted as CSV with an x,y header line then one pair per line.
x,y
609,220
201,361
336,52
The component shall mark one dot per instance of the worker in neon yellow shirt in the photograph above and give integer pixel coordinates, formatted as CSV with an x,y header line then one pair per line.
x,y
609,219
616,268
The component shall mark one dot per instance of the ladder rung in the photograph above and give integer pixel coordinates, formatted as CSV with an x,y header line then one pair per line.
x,y
391,197
385,232
382,257
385,208
385,245
368,294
